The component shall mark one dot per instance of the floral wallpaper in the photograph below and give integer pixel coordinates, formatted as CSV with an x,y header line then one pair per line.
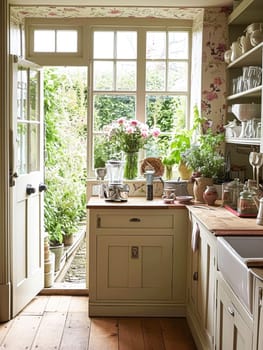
x,y
18,13
214,68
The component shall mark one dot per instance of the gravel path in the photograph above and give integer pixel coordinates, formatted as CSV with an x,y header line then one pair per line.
x,y
77,271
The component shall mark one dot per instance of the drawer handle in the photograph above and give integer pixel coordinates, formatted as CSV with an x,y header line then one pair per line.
x,y
135,220
231,310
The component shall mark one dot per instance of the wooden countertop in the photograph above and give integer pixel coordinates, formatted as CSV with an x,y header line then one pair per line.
x,y
133,203
218,220
222,222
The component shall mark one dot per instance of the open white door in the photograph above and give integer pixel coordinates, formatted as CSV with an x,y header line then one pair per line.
x,y
26,183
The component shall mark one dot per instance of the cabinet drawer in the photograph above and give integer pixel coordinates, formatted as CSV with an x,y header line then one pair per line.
x,y
135,221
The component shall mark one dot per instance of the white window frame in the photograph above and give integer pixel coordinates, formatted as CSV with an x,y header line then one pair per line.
x,y
56,58
141,92
86,26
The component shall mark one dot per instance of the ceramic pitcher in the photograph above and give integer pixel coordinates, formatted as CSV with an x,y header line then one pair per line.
x,y
200,184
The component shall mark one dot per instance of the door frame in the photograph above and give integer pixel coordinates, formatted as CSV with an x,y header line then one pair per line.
x,y
5,279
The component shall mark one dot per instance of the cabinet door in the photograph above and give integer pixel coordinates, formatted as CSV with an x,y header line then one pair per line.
x,y
233,330
258,314
134,268
202,269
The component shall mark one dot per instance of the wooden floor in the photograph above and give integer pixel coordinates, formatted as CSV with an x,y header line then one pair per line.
x,y
62,322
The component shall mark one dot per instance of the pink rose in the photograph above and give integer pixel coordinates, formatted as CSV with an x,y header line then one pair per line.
x,y
156,132
144,134
129,130
121,121
134,122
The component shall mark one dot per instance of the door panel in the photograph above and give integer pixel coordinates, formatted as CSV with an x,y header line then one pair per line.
x,y
26,175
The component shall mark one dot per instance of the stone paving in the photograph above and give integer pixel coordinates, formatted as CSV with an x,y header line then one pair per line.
x,y
77,271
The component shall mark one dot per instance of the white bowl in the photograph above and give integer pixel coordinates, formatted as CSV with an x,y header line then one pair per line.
x,y
246,111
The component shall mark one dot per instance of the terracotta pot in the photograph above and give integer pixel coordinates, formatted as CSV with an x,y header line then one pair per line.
x,y
210,195
200,184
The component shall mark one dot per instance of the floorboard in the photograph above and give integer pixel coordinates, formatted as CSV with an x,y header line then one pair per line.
x,y
62,323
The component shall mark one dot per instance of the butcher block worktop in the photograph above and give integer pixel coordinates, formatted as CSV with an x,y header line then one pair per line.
x,y
222,222
216,219
133,203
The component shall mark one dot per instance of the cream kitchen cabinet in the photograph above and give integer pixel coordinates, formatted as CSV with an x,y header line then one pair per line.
x,y
258,315
137,261
234,323
202,252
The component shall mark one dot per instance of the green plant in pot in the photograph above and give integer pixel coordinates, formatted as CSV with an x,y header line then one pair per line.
x,y
56,245
180,143
205,159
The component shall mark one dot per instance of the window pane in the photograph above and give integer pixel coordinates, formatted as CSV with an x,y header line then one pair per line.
x,y
103,75
34,147
108,108
33,97
177,76
156,45
126,45
166,112
44,41
178,45
126,76
103,45
22,87
22,134
155,76
103,151
67,41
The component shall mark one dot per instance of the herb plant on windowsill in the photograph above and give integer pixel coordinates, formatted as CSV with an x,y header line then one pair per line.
x,y
180,143
204,157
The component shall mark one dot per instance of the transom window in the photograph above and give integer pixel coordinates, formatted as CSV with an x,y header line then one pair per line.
x,y
55,40
141,74
45,39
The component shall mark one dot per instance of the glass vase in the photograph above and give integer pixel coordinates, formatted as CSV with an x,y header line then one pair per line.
x,y
131,165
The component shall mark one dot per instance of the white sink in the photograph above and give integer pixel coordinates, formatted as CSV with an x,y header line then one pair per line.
x,y
235,255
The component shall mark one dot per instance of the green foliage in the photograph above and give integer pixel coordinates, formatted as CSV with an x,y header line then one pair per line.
x,y
204,157
182,141
65,106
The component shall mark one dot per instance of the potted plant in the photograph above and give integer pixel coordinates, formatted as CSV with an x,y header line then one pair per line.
x,y
206,161
56,245
180,143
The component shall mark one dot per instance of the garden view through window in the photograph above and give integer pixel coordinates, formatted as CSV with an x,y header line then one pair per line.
x,y
139,74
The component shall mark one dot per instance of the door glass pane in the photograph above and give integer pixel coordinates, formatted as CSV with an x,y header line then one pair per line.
x,y
28,121
22,82
33,147
126,45
22,135
33,95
